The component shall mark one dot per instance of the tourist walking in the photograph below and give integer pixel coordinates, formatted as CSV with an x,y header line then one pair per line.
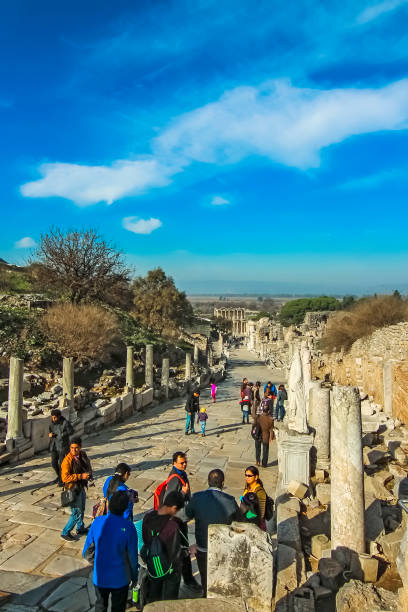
x,y
116,559
76,471
178,481
210,507
162,549
254,485
257,396
246,402
117,483
60,431
213,391
280,403
192,407
264,421
202,418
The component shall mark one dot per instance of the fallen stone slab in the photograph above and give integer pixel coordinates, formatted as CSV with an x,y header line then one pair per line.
x,y
240,565
288,527
323,492
376,488
79,603
320,543
297,489
356,595
199,605
30,557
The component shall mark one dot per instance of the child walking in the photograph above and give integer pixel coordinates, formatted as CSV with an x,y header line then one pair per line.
x,y
213,391
202,419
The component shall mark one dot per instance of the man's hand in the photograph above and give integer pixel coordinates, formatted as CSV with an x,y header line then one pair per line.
x,y
50,435
193,550
86,476
185,489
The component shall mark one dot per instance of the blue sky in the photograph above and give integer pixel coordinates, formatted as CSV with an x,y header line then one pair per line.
x,y
240,145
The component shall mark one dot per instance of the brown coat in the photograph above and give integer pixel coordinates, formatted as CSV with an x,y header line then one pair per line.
x,y
266,424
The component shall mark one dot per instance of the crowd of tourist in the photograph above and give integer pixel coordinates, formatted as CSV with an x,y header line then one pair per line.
x,y
154,554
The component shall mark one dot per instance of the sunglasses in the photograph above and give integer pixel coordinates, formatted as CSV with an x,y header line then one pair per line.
x,y
249,476
183,462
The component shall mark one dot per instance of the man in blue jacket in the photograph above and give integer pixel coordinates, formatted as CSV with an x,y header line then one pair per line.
x,y
210,507
116,560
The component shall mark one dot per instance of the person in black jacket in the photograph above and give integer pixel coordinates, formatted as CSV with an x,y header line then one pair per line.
x,y
210,507
164,522
60,431
192,407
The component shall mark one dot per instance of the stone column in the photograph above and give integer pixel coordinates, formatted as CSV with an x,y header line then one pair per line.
x,y
387,387
129,367
165,376
15,401
319,420
210,357
347,477
196,354
149,365
68,392
188,366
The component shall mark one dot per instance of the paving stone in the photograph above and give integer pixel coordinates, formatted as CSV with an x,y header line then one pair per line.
x,y
79,603
64,564
65,589
30,557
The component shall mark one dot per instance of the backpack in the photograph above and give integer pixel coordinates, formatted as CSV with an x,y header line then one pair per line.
x,y
157,562
269,508
256,431
160,492
250,508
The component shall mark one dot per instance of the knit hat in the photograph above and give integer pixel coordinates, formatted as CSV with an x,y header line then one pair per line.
x,y
202,409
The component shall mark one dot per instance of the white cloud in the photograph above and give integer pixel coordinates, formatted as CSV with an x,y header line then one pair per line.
x,y
25,243
141,226
87,185
374,180
219,201
287,124
374,11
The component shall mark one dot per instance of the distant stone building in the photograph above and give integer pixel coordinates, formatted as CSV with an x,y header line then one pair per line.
x,y
238,318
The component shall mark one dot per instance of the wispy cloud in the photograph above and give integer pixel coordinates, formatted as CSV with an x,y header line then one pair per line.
x,y
218,200
25,243
286,124
141,226
376,10
289,125
87,185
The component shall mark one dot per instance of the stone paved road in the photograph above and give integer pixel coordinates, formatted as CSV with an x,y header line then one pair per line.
x,y
33,558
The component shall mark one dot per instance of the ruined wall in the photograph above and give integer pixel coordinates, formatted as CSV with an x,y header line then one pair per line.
x,y
377,364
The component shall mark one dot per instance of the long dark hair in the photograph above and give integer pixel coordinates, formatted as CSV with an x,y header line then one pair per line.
x,y
117,478
255,472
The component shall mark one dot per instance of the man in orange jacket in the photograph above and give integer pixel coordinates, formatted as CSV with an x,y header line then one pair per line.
x,y
76,471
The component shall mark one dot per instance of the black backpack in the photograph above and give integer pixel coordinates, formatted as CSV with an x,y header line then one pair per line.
x,y
157,562
269,508
250,508
256,431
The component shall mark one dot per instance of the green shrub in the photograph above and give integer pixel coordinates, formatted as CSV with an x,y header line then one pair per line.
x,y
293,312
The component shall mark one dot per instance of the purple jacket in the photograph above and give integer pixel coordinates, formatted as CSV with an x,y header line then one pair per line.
x,y
202,416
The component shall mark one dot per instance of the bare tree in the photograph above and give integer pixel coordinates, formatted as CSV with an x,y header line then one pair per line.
x,y
81,266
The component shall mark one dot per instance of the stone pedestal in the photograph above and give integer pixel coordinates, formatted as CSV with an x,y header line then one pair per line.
x,y
188,366
196,354
15,402
149,365
294,456
68,392
129,368
347,485
319,421
165,377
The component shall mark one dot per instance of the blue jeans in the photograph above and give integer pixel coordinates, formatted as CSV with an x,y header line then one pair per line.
x,y
77,513
190,422
203,424
245,415
279,412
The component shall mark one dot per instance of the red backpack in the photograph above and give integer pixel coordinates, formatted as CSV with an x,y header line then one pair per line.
x,y
160,492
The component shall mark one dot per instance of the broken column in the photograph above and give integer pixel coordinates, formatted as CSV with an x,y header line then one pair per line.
x,y
319,420
188,366
347,484
15,401
165,376
196,354
210,357
149,365
129,368
297,416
